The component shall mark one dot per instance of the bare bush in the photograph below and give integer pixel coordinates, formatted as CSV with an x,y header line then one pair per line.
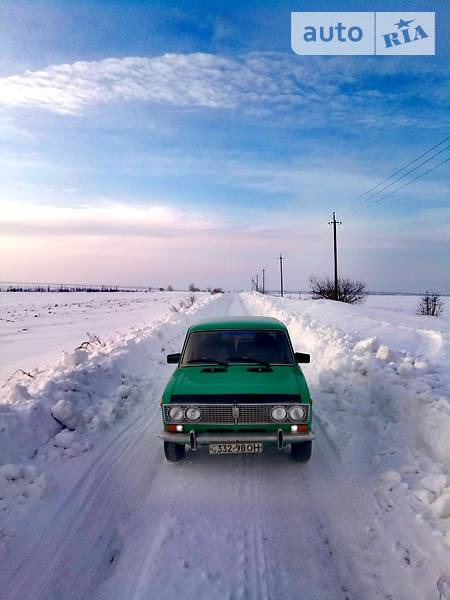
x,y
349,290
184,304
93,341
17,372
430,304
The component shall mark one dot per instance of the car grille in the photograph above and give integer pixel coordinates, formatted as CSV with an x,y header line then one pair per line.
x,y
222,414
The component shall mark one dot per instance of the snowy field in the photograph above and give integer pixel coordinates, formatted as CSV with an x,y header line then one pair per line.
x,y
35,327
89,509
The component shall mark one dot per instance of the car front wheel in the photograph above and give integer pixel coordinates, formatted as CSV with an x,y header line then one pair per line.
x,y
301,452
173,452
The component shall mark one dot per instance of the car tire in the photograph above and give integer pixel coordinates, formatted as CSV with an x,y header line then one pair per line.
x,y
302,451
173,452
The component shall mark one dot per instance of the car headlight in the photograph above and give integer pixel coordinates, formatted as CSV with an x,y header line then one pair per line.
x,y
193,414
279,413
176,413
297,413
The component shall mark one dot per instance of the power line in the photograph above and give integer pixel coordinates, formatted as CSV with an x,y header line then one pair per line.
x,y
398,179
350,210
404,185
400,170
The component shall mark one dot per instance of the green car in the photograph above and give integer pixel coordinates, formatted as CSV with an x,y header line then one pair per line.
x,y
237,386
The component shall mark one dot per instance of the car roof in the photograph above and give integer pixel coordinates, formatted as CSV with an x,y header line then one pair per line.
x,y
246,322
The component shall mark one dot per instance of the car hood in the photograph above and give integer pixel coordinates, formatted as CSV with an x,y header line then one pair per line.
x,y
237,379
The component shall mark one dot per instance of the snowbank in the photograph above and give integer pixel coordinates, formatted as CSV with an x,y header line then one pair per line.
x,y
57,413
383,406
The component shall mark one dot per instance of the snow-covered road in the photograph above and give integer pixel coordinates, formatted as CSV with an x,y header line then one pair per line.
x,y
118,522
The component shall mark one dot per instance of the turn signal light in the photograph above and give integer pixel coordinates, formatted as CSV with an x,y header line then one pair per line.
x,y
303,428
171,428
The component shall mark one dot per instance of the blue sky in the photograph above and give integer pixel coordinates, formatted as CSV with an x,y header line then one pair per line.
x,y
160,143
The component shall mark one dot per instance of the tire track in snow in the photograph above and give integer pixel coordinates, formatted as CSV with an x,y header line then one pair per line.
x,y
168,527
240,582
255,531
43,554
252,563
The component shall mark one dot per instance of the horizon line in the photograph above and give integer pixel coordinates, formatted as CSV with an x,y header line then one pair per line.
x,y
157,288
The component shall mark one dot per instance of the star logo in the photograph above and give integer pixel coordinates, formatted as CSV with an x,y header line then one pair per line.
x,y
403,23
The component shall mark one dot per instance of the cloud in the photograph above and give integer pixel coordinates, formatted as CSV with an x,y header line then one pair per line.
x,y
174,79
312,92
100,218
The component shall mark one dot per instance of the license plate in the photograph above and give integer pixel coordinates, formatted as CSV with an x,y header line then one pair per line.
x,y
236,448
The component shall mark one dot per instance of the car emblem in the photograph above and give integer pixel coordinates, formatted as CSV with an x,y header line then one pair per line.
x,y
235,412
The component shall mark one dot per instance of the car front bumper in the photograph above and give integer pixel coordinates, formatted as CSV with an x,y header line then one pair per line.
x,y
194,439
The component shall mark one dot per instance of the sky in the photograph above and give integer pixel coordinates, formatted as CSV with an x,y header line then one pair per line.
x,y
156,143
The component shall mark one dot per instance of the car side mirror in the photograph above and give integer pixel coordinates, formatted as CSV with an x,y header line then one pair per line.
x,y
301,357
174,359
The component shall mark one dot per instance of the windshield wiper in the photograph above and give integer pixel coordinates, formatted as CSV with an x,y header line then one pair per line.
x,y
211,361
248,359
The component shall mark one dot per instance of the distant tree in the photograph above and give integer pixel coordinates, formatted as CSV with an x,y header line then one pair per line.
x,y
193,288
170,288
216,290
349,291
161,289
430,304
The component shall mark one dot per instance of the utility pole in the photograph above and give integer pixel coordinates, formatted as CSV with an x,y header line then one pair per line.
x,y
336,286
257,282
264,281
281,275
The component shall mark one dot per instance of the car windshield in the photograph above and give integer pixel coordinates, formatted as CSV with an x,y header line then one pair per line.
x,y
238,346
